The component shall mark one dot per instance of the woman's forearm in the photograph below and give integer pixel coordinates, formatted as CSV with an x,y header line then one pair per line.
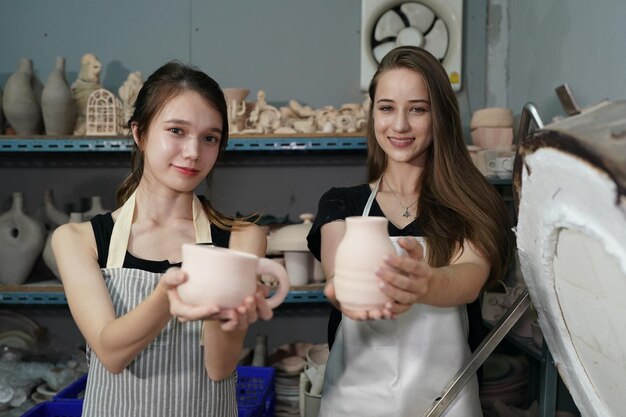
x,y
221,349
124,338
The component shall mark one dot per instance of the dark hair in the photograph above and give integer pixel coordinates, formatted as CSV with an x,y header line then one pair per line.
x,y
456,202
167,82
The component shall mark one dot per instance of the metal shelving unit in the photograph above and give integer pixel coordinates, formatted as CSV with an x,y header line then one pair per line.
x,y
277,143
54,295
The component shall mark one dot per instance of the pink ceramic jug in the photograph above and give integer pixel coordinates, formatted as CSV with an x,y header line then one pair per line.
x,y
359,254
224,277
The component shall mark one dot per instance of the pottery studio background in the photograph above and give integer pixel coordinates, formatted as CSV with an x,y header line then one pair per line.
x,y
292,49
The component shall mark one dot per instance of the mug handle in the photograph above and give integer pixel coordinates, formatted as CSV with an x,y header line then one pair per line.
x,y
492,164
267,266
507,164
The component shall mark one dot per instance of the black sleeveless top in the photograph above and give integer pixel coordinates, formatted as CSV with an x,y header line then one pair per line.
x,y
102,225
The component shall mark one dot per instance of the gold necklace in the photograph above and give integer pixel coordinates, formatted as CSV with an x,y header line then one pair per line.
x,y
406,208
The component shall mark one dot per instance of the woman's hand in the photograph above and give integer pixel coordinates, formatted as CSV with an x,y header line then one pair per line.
x,y
405,279
170,281
253,308
385,313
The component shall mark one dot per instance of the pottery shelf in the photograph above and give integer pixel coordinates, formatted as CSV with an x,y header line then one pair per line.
x,y
54,295
274,143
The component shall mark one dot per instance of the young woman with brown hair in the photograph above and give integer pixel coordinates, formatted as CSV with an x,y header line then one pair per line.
x,y
117,269
421,178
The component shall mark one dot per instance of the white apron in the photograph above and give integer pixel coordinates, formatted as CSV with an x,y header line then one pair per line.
x,y
168,377
396,368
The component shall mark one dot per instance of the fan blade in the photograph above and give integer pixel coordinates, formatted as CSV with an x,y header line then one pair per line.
x,y
381,50
436,41
388,25
419,16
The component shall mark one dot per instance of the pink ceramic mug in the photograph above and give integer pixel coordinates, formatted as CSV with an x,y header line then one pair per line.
x,y
225,277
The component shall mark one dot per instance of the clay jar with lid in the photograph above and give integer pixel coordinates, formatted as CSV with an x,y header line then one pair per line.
x,y
359,254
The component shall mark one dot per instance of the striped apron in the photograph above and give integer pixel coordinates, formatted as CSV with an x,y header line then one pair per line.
x,y
168,378
396,368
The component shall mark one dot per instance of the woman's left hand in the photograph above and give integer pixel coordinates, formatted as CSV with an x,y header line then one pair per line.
x,y
405,279
253,308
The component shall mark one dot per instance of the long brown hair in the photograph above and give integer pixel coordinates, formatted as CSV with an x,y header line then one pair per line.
x,y
456,202
167,82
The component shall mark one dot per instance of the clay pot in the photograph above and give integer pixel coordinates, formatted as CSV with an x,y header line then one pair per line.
x,y
359,254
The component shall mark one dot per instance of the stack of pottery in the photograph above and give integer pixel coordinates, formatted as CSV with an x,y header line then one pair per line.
x,y
492,128
505,379
21,241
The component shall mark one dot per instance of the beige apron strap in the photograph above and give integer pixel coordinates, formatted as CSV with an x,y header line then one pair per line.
x,y
121,234
124,221
201,222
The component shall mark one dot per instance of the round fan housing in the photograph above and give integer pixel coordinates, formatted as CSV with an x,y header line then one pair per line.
x,y
435,25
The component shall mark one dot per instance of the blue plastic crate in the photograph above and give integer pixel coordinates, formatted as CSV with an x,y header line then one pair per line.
x,y
255,391
68,408
73,391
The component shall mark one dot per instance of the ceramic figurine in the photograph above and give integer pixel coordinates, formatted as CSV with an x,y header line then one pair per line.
x,y
237,108
57,103
264,118
128,94
21,242
87,82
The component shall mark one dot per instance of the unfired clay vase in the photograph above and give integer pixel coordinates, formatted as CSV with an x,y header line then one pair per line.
x,y
359,254
96,208
48,215
57,103
225,277
47,254
20,103
21,242
1,115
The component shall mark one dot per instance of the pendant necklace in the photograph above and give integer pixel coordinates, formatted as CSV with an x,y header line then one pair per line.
x,y
406,212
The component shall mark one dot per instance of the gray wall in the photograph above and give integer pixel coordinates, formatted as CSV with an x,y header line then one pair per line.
x,y
292,49
579,42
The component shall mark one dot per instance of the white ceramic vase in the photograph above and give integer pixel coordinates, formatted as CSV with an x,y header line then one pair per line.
x,y
21,242
359,254
57,103
20,103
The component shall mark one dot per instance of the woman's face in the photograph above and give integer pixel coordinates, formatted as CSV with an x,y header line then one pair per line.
x,y
402,116
182,142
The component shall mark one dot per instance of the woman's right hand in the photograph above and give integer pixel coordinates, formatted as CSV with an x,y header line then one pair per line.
x,y
360,315
170,281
